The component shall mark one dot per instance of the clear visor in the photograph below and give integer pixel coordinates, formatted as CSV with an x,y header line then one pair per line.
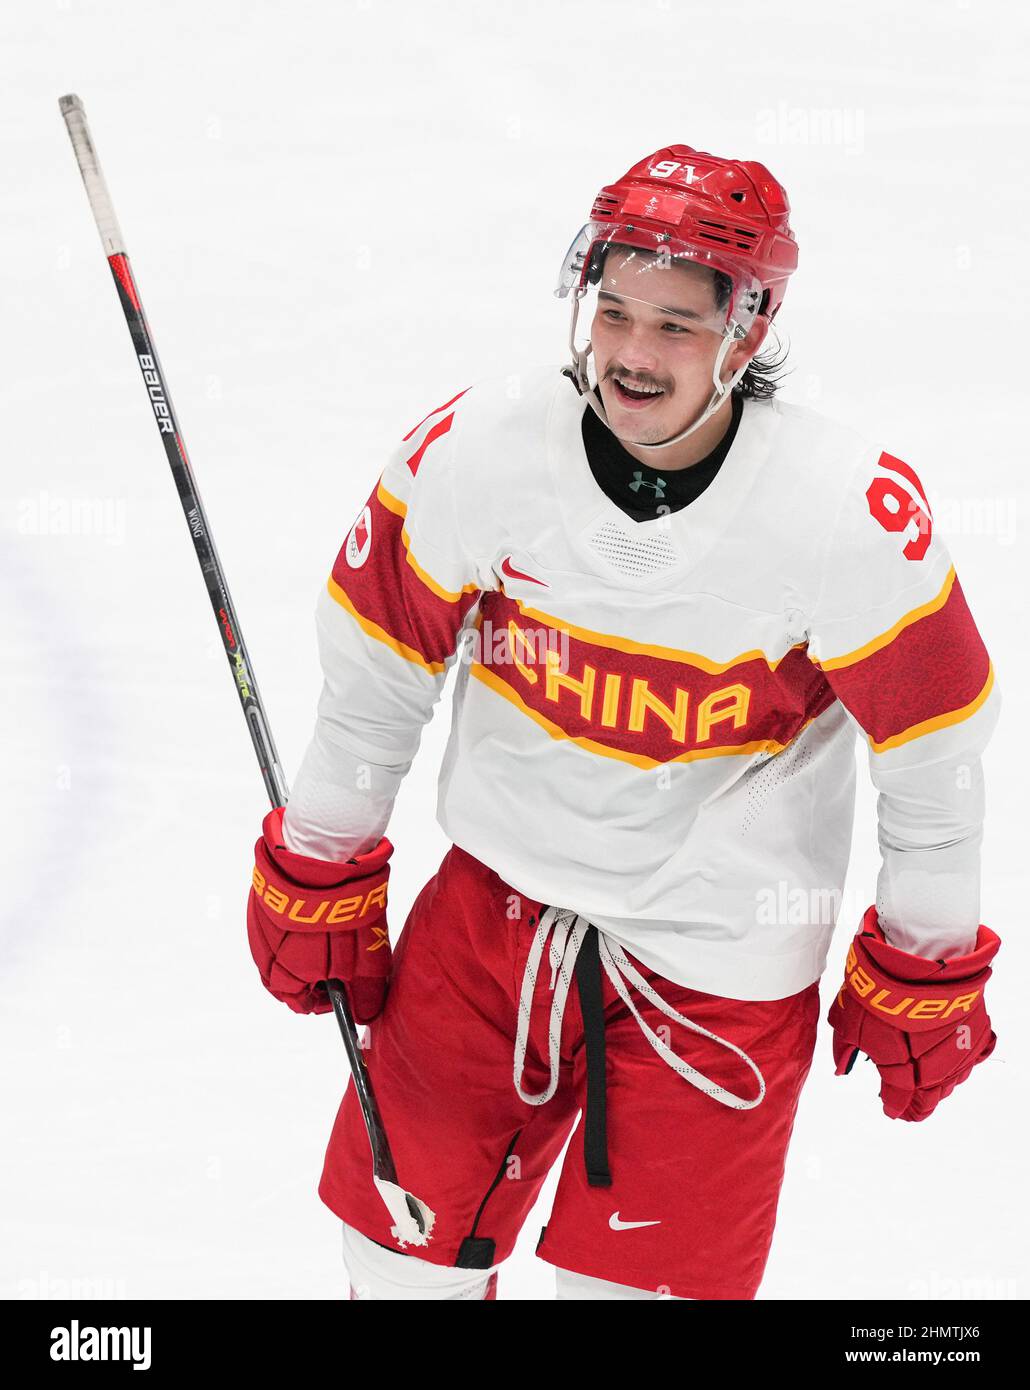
x,y
646,280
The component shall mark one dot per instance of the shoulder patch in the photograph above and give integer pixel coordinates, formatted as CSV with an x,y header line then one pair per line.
x,y
359,540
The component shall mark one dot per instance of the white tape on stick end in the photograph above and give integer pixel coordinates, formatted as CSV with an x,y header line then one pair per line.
x,y
74,114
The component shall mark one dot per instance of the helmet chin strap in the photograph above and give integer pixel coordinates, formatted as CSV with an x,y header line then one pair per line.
x,y
721,389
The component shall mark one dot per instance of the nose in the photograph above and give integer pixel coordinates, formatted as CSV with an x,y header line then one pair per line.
x,y
636,350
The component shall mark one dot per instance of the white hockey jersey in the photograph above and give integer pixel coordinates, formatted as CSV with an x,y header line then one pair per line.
x,y
654,722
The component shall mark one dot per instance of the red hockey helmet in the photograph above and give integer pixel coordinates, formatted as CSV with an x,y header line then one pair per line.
x,y
732,213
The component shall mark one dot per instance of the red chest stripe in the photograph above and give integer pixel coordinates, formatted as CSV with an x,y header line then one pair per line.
x,y
644,706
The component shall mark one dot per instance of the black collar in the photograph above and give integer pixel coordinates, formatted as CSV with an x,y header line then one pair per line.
x,y
641,491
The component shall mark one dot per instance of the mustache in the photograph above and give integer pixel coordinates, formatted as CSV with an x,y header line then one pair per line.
x,y
636,378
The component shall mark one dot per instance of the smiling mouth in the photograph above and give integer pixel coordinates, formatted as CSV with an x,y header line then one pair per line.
x,y
640,394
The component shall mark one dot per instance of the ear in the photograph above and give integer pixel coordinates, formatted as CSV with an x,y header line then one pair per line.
x,y
742,352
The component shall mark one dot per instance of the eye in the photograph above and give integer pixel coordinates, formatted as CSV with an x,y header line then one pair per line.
x,y
613,314
676,327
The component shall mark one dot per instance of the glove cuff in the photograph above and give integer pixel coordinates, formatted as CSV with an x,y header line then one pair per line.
x,y
910,992
909,968
318,873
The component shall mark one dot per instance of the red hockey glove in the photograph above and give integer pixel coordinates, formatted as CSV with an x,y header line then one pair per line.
x,y
310,921
921,1021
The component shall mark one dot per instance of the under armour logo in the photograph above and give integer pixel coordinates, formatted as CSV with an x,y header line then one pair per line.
x,y
640,481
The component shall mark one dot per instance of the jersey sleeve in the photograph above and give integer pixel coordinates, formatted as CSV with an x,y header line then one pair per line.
x,y
893,634
388,624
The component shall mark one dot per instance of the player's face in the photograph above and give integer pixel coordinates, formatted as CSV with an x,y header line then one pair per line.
x,y
655,326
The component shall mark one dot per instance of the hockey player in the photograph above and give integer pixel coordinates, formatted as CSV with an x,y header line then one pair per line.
x,y
673,601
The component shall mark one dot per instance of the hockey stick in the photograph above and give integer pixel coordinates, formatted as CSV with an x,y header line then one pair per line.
x,y
414,1220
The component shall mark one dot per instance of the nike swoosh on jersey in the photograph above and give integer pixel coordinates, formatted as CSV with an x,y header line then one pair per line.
x,y
509,570
617,1225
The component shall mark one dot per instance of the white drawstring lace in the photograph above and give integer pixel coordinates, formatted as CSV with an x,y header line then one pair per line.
x,y
567,931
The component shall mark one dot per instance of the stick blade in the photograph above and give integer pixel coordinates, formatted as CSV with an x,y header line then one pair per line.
x,y
407,1229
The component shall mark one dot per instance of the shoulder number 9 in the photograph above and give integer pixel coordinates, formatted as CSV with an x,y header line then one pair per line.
x,y
893,505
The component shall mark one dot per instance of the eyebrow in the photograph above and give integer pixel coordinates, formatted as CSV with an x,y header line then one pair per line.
x,y
679,313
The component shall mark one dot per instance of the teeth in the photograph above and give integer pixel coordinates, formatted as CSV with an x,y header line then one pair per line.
x,y
650,390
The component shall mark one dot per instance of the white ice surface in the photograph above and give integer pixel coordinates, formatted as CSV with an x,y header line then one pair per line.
x,y
338,218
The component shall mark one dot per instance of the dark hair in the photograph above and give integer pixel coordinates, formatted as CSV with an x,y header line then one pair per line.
x,y
762,375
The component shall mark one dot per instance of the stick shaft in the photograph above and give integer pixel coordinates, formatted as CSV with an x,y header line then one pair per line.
x,y
211,567
175,449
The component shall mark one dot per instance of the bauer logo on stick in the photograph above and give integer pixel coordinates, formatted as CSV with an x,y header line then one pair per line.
x,y
157,392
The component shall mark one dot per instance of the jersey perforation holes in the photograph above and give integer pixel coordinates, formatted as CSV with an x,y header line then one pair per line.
x,y
634,555
766,777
